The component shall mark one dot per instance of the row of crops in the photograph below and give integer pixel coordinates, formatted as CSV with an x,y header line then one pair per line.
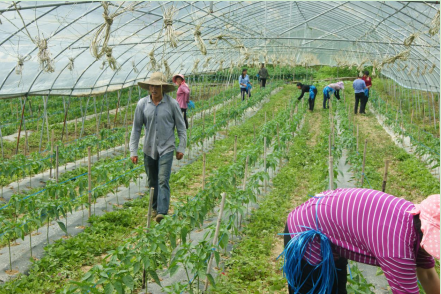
x,y
139,258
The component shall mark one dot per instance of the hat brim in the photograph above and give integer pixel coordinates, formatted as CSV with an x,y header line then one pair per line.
x,y
165,87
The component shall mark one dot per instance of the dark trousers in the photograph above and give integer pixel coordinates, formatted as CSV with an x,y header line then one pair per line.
x,y
184,111
326,97
358,99
339,286
158,173
263,82
311,104
242,93
363,103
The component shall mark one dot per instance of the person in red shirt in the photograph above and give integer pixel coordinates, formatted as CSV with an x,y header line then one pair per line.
x,y
368,81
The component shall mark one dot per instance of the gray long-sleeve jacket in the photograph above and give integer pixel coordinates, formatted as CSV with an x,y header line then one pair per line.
x,y
160,122
263,73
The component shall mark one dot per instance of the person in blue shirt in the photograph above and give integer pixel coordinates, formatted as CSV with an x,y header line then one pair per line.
x,y
244,80
312,94
359,86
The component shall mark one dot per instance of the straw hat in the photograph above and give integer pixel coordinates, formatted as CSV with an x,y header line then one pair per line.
x,y
157,79
429,213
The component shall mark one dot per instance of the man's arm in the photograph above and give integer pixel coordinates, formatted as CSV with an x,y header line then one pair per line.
x,y
429,279
138,122
182,131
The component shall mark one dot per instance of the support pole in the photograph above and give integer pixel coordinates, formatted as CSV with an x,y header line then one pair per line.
x,y
1,142
56,163
364,161
383,188
21,123
203,170
216,235
235,147
149,216
90,180
264,163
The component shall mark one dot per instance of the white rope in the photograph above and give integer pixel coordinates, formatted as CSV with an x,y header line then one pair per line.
x,y
135,70
44,55
409,40
207,61
153,64
198,38
424,70
70,65
170,35
434,25
167,70
113,64
403,55
223,37
221,64
195,66
98,46
20,63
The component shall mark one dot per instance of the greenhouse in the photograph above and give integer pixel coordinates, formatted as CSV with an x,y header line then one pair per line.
x,y
219,147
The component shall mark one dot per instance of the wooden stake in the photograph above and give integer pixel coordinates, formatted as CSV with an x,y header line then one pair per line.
x,y
21,123
264,163
26,143
1,142
52,154
235,147
76,134
364,161
56,163
383,189
331,173
89,174
254,125
216,235
357,138
203,170
149,216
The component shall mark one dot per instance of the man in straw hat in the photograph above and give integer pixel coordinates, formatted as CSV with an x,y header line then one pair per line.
x,y
160,114
365,226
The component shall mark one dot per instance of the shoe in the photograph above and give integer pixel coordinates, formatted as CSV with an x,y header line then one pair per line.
x,y
159,218
154,213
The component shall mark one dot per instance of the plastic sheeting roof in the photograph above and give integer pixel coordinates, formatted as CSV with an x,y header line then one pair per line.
x,y
330,31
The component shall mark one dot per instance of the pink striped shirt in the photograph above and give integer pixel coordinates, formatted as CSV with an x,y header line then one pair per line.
x,y
369,227
183,95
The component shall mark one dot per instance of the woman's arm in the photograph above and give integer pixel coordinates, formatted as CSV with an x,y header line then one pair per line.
x,y
429,279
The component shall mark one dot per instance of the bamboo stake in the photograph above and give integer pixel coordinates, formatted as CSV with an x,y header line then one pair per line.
x,y
383,189
364,161
117,106
214,124
216,235
357,138
52,154
149,216
21,123
89,172
1,142
235,147
203,170
264,163
56,163
65,118
331,173
26,147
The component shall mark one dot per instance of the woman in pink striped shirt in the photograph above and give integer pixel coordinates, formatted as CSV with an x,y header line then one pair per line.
x,y
366,226
183,95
